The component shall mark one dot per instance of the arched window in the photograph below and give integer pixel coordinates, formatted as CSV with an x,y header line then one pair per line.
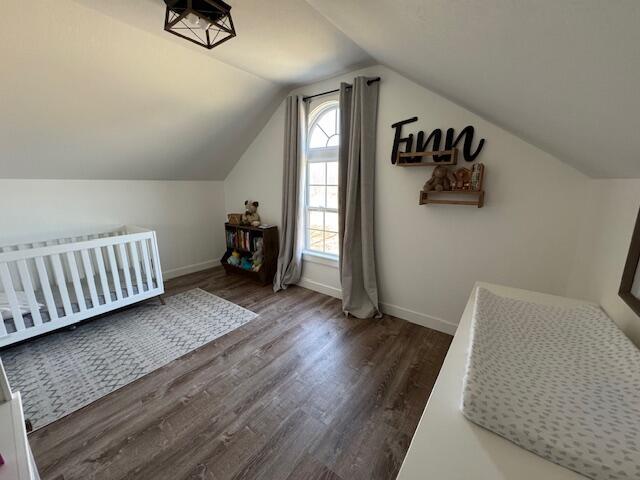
x,y
321,207
323,129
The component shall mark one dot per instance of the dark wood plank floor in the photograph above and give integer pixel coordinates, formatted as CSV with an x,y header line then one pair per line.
x,y
301,392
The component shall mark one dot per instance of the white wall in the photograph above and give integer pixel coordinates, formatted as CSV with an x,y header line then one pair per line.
x,y
258,173
187,215
609,216
430,256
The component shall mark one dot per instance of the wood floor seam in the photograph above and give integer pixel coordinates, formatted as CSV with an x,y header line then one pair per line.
x,y
301,392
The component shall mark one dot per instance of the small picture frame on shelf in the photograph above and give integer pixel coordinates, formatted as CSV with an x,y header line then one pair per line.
x,y
234,218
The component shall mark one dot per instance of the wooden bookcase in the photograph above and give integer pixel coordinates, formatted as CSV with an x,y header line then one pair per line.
x,y
242,239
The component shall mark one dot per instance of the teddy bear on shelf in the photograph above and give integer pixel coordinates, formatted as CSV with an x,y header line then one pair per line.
x,y
250,216
440,180
463,178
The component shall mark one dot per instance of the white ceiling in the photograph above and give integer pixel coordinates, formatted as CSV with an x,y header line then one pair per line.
x,y
283,41
102,92
562,74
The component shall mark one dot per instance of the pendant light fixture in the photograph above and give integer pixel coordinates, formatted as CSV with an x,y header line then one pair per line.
x,y
206,23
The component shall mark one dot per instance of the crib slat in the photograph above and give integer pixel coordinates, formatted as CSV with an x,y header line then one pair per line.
x,y
89,275
75,278
11,265
147,264
33,272
156,261
7,283
113,264
125,268
65,265
46,289
103,275
133,248
27,286
62,285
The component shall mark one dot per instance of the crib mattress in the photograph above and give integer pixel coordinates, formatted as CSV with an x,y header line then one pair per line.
x,y
561,382
44,312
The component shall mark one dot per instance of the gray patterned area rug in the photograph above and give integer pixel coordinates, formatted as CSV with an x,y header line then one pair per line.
x,y
60,373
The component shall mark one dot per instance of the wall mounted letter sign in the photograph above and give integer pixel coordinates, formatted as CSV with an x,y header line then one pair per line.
x,y
435,138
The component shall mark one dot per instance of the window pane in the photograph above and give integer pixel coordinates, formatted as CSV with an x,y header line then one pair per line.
x,y
316,220
332,173
317,196
333,141
316,240
328,121
332,197
331,243
331,221
316,173
318,139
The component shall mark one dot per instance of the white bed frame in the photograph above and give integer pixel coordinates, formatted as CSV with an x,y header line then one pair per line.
x,y
77,278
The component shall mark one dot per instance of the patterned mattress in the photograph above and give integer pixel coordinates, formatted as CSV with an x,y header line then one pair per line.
x,y
563,383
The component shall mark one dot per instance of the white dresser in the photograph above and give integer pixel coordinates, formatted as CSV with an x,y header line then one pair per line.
x,y
14,447
446,446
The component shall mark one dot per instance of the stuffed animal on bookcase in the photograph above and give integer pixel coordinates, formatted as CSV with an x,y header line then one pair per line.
x,y
246,263
234,259
250,216
257,257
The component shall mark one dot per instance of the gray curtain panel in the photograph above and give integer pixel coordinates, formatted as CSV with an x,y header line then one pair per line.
x,y
291,226
357,156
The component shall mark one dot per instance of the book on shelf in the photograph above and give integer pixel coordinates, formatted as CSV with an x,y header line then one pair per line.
x,y
244,240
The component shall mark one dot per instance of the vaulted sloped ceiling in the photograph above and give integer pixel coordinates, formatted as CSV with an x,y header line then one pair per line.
x,y
283,41
562,74
95,89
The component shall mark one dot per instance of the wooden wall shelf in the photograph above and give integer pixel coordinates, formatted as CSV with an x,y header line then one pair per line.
x,y
404,158
441,198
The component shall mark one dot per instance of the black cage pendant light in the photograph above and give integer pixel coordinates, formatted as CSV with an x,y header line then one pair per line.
x,y
204,22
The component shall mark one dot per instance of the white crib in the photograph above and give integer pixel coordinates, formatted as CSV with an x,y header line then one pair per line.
x,y
46,285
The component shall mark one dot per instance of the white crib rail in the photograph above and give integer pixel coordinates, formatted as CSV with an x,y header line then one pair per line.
x,y
93,268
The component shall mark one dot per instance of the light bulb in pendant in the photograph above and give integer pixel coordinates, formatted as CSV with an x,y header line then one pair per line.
x,y
193,20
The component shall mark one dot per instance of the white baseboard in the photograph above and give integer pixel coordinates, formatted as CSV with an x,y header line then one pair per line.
x,y
388,308
320,287
196,267
419,318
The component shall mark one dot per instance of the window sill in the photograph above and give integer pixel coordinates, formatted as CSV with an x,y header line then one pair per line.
x,y
320,258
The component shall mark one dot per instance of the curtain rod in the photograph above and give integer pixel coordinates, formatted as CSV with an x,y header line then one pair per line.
x,y
369,82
